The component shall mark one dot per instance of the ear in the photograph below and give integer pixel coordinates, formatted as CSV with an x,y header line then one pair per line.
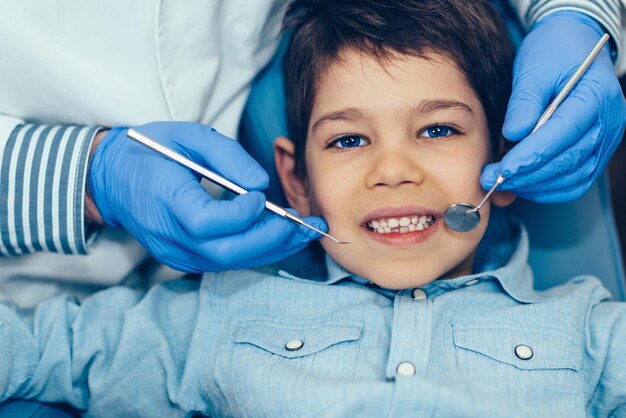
x,y
502,199
294,187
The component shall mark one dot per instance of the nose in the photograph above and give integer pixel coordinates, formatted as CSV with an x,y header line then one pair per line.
x,y
394,166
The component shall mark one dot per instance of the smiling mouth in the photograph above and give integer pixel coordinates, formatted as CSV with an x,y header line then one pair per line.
x,y
401,225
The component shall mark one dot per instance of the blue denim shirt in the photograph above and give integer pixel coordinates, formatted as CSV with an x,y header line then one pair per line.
x,y
267,343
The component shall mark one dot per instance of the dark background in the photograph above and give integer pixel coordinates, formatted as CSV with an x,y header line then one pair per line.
x,y
617,174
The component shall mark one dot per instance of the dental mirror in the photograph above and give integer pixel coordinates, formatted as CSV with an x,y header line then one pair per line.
x,y
463,217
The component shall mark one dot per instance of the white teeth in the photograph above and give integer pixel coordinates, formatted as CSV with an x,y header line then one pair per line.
x,y
402,225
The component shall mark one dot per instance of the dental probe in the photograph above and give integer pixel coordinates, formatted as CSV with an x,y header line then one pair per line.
x,y
219,180
463,217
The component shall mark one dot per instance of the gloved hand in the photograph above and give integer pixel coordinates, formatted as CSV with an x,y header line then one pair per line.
x,y
560,161
163,205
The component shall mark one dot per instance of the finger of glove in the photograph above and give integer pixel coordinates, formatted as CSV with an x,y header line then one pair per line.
x,y
572,160
173,252
614,129
309,234
539,72
228,158
566,127
555,190
561,196
271,234
545,169
490,174
187,263
203,217
532,90
577,176
272,255
192,263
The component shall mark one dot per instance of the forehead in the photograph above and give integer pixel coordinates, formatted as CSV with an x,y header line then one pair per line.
x,y
357,79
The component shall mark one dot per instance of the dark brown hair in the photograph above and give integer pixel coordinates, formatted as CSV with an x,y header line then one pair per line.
x,y
469,32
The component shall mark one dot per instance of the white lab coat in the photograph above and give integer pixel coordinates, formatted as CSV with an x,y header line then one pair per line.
x,y
122,63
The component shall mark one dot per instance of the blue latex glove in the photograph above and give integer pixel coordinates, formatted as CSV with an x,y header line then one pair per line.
x,y
560,161
163,205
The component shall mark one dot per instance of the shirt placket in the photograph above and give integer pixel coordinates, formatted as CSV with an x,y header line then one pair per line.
x,y
408,354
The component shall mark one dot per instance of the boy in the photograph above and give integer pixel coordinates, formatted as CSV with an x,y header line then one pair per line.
x,y
394,108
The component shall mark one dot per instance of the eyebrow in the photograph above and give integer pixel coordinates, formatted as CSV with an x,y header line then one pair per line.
x,y
350,114
353,114
428,106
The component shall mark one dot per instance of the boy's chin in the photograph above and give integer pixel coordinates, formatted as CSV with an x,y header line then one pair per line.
x,y
398,280
407,278
399,283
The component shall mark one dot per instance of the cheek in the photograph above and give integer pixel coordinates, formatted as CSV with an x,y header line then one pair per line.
x,y
458,169
331,187
328,197
465,180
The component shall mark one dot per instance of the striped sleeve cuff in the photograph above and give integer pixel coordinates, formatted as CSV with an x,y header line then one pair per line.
x,y
605,12
43,172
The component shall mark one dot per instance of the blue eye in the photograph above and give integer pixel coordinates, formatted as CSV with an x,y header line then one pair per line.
x,y
349,141
437,131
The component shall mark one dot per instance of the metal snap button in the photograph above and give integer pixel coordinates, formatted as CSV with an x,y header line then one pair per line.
x,y
294,345
471,282
406,368
419,294
523,352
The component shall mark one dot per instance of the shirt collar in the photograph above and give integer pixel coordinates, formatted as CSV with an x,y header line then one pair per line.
x,y
336,272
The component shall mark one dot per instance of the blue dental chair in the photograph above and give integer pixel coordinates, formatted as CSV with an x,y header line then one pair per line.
x,y
584,230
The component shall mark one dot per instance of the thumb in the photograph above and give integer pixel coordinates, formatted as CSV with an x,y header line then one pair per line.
x,y
530,96
489,175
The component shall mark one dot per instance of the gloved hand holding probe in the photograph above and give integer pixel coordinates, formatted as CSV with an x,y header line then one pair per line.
x,y
560,161
164,206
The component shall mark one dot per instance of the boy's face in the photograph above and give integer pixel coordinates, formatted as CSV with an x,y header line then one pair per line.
x,y
389,144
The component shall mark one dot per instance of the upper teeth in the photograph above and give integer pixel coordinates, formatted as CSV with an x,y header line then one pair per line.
x,y
404,224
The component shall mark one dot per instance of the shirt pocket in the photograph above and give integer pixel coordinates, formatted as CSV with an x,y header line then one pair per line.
x,y
279,364
520,363
305,340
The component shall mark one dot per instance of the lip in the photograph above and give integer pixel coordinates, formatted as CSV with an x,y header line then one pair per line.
x,y
406,239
